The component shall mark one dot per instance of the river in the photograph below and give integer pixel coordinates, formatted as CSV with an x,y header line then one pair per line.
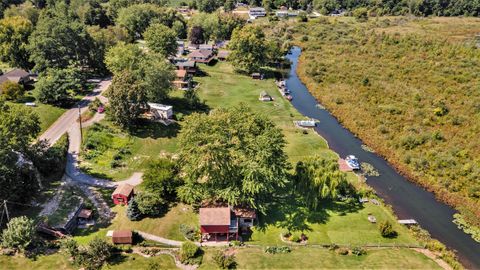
x,y
409,201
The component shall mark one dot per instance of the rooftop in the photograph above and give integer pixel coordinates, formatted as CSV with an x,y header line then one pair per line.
x,y
200,53
215,216
181,73
123,189
14,75
158,106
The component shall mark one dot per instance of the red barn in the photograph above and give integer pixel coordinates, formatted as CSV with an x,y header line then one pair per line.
x,y
122,194
219,223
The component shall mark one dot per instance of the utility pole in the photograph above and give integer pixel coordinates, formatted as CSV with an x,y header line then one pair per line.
x,y
80,121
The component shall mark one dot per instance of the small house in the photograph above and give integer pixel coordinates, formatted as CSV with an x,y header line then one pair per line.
x,y
223,223
264,96
217,222
189,66
257,76
122,237
17,75
122,194
222,55
181,79
201,56
160,111
192,46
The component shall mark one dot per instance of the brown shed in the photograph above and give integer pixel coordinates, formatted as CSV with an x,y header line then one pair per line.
x,y
122,237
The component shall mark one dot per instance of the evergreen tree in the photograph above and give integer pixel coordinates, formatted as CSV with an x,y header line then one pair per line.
x,y
133,213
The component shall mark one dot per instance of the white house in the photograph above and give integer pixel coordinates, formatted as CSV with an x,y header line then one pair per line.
x,y
257,12
160,111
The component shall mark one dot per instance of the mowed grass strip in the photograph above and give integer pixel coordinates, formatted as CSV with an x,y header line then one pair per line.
x,y
320,258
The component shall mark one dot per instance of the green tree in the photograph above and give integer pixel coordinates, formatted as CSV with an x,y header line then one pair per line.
x,y
137,18
161,178
123,57
127,99
233,155
70,246
95,255
25,10
249,49
196,35
103,40
59,41
26,123
152,71
150,203
57,86
11,90
180,29
229,5
319,178
208,6
14,33
19,233
133,213
161,39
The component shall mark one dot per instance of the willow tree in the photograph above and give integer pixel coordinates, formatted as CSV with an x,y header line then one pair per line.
x,y
317,179
232,155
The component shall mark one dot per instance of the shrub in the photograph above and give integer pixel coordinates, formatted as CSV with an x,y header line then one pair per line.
x,y
386,229
19,233
294,238
286,233
94,105
342,251
189,233
190,253
302,17
70,246
359,251
235,243
275,250
223,260
361,14
333,246
11,90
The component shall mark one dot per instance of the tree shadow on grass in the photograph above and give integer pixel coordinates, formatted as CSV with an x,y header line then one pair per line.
x,y
291,214
117,258
150,129
181,105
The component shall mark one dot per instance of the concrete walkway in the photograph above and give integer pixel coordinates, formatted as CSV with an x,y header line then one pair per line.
x,y
159,239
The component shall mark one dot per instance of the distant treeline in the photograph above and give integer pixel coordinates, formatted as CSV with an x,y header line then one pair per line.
x,y
403,7
375,7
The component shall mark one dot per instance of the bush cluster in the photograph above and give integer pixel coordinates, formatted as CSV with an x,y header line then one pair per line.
x,y
275,249
190,253
223,260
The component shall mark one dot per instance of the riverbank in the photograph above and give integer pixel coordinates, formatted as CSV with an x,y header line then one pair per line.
x,y
421,205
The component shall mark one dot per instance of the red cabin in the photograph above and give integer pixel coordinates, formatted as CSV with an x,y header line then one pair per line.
x,y
122,194
218,224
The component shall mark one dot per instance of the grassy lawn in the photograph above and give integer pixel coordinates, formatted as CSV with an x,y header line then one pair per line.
x,y
166,226
221,87
59,261
335,222
317,258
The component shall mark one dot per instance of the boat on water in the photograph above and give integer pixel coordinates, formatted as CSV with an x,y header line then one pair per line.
x,y
305,123
288,97
352,162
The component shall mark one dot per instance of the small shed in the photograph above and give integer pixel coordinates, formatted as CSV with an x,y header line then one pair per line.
x,y
122,237
222,55
181,79
160,111
122,194
264,96
217,221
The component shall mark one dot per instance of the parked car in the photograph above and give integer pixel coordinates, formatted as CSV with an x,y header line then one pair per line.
x,y
352,162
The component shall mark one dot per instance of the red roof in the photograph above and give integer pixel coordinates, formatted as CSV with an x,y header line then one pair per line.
x,y
215,216
181,73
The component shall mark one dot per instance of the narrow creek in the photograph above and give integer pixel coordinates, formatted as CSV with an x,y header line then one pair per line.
x,y
408,200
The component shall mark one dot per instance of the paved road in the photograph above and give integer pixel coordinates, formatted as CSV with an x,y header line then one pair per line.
x,y
67,123
69,118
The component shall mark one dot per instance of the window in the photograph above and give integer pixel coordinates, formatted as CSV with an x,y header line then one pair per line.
x,y
247,220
